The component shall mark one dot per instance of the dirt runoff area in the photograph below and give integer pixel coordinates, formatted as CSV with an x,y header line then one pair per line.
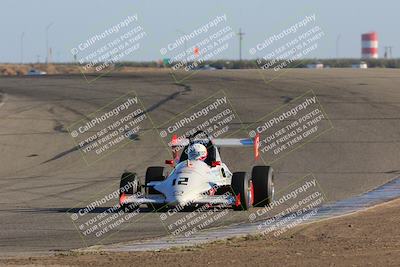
x,y
370,237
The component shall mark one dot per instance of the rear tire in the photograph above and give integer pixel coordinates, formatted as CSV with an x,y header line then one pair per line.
x,y
263,182
242,189
156,173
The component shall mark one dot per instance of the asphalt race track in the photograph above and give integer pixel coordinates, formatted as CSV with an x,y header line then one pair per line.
x,y
43,175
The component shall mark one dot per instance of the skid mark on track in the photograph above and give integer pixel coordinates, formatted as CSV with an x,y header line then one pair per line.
x,y
3,98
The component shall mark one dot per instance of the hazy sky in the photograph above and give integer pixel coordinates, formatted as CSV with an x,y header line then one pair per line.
x,y
76,20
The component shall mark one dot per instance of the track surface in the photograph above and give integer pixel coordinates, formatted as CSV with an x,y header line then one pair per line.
x,y
42,175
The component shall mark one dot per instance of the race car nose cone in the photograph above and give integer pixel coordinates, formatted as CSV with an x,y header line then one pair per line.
x,y
177,198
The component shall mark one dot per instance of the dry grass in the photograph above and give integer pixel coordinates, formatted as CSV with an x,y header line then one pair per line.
x,y
23,69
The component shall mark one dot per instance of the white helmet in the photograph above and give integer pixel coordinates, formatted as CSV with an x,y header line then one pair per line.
x,y
197,152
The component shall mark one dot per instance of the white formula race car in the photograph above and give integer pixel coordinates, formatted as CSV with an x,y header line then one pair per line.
x,y
205,181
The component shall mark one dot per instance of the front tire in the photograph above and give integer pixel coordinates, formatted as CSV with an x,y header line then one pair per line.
x,y
243,190
263,182
129,185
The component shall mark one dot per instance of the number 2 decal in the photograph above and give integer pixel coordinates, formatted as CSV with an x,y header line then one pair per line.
x,y
181,180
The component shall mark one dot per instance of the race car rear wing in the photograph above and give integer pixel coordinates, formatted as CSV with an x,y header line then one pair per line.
x,y
235,142
222,142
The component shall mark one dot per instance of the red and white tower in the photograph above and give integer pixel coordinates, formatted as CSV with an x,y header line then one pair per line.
x,y
369,45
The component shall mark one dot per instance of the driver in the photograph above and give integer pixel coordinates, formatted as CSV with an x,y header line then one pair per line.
x,y
197,152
